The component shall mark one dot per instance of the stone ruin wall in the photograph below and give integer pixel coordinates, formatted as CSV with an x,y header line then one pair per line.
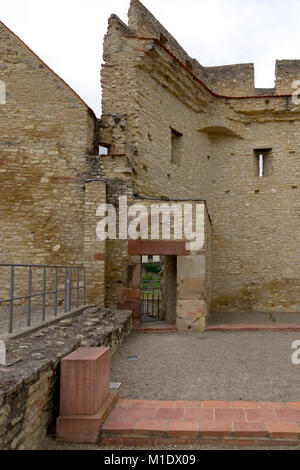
x,y
29,391
47,147
47,154
255,222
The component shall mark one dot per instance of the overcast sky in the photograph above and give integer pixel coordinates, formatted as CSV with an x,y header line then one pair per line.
x,y
68,34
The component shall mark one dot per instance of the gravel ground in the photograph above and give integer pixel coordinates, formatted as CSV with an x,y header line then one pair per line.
x,y
253,366
252,317
212,366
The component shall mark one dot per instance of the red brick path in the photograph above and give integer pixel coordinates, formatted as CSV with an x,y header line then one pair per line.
x,y
143,423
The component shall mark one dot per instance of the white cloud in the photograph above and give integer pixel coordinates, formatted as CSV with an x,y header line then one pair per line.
x,y
68,35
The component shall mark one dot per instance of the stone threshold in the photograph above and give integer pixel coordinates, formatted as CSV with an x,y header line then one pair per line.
x,y
158,328
142,423
163,328
255,327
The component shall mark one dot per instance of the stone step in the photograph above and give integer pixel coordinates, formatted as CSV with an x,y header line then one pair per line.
x,y
158,328
142,423
255,327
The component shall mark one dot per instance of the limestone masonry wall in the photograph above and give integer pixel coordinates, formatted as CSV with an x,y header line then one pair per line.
x,y
47,143
174,129
255,221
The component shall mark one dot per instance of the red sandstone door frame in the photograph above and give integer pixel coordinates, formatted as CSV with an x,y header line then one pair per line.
x,y
157,248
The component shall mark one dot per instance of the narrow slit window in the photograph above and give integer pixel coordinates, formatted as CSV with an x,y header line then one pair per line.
x,y
261,165
2,92
263,162
176,144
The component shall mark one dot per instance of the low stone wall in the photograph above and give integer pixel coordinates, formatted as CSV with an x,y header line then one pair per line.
x,y
29,390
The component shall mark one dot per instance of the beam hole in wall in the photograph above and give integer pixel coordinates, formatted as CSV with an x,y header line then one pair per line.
x,y
294,187
263,162
228,191
176,146
188,64
257,191
163,39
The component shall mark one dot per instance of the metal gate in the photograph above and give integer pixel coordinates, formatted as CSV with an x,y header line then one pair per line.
x,y
151,299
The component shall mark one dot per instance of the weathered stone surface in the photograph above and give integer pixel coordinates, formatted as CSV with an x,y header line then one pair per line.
x,y
29,393
192,288
191,267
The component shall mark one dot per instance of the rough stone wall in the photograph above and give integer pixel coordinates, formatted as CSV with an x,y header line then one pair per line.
x,y
231,80
286,71
255,242
29,390
94,249
208,261
255,221
47,143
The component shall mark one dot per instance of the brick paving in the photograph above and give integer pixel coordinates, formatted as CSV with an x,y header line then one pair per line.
x,y
149,422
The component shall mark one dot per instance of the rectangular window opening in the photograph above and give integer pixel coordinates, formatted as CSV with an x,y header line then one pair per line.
x,y
104,149
263,162
176,138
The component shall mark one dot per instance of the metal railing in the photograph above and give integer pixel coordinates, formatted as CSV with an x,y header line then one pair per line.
x,y
151,298
67,272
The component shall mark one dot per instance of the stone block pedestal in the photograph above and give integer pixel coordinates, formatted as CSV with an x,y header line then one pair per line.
x,y
85,396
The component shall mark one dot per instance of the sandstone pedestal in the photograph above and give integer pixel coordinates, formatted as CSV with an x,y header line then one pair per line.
x,y
85,396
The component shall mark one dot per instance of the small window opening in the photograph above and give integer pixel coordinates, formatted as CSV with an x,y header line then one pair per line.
x,y
261,165
2,92
263,162
104,149
176,138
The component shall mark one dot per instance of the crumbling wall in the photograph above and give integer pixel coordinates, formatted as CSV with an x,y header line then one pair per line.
x,y
286,71
255,226
29,390
46,137
47,152
231,80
